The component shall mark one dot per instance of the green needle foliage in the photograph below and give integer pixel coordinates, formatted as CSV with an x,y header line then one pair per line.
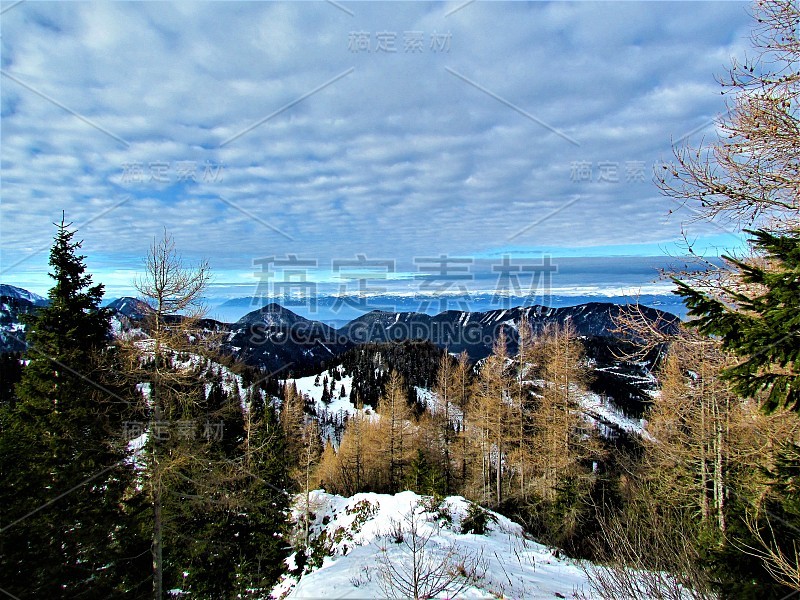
x,y
64,471
762,328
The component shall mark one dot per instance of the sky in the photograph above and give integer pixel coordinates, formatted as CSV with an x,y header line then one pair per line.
x,y
330,131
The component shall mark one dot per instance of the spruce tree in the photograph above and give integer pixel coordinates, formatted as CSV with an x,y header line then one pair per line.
x,y
761,327
263,541
64,468
395,427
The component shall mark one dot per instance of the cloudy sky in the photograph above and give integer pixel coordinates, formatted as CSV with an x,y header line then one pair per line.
x,y
331,130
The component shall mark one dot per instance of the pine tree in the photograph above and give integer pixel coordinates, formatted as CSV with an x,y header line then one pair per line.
x,y
305,476
293,420
213,509
348,473
328,469
64,473
462,385
447,390
759,323
10,374
558,443
693,423
217,467
749,176
520,416
173,291
327,395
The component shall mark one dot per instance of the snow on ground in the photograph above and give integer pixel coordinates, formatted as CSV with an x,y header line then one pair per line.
x,y
511,565
435,405
189,362
595,407
333,415
307,386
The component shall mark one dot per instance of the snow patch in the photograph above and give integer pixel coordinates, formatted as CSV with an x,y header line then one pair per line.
x,y
514,566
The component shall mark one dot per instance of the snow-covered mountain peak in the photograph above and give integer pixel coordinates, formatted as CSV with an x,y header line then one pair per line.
x,y
13,291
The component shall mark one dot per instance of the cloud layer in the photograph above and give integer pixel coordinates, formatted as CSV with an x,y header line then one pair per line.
x,y
257,129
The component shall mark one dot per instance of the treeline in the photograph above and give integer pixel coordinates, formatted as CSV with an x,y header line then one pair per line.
x,y
713,499
703,504
370,365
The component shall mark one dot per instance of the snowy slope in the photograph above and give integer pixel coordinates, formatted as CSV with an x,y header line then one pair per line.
x,y
12,291
607,415
511,565
601,412
333,416
306,385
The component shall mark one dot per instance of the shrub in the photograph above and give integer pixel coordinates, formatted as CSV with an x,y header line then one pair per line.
x,y
477,520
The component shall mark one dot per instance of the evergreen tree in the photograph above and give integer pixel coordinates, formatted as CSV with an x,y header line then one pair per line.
x,y
64,473
423,477
293,420
305,476
326,394
447,389
559,444
492,418
262,541
10,374
762,325
170,288
216,466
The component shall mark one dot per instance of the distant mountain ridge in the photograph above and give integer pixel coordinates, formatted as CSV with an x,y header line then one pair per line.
x,y
276,338
476,332
12,291
14,302
132,308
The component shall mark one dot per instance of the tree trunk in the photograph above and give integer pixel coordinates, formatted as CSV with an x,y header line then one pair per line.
x,y
158,561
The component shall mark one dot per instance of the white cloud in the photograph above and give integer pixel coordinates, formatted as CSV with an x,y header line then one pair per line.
x,y
396,158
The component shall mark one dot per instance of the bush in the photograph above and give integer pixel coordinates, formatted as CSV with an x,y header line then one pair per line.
x,y
477,520
437,507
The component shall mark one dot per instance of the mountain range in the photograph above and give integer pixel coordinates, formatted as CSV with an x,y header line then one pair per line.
x,y
274,337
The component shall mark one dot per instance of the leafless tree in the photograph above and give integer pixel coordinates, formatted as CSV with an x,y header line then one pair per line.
x,y
646,553
752,171
173,289
421,568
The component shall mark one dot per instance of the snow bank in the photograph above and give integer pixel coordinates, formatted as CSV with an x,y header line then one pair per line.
x,y
357,528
